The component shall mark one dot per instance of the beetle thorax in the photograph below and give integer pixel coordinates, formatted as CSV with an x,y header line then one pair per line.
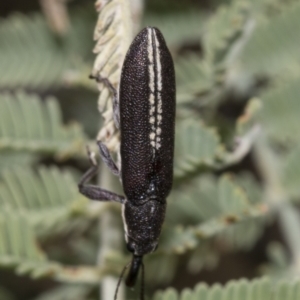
x,y
142,224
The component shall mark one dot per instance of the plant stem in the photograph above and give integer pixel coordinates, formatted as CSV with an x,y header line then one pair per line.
x,y
110,239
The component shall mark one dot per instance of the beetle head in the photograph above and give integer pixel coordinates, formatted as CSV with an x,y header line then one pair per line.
x,y
142,225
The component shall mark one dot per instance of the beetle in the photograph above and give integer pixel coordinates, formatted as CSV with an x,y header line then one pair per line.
x,y
144,112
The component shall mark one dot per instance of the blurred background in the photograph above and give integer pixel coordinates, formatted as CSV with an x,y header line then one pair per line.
x,y
234,209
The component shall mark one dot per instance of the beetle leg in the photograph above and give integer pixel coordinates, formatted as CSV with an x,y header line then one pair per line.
x,y
107,159
94,192
109,85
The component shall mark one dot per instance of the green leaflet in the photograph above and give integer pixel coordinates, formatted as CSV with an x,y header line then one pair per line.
x,y
194,77
223,29
32,57
43,197
198,147
19,249
18,244
166,264
209,207
258,289
280,113
235,236
274,45
199,76
27,123
195,146
205,197
291,173
16,158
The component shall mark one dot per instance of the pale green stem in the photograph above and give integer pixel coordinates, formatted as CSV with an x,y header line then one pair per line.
x,y
110,238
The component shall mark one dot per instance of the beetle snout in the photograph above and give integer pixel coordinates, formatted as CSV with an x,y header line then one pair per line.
x,y
137,261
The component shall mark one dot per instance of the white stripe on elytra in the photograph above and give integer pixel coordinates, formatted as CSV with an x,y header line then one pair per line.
x,y
151,64
155,133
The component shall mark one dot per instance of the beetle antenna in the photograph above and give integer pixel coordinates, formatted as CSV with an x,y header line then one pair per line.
x,y
143,282
120,279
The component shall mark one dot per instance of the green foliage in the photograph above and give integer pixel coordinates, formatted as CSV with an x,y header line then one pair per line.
x,y
19,158
291,172
223,29
18,245
20,250
212,206
273,45
193,76
196,146
258,289
280,111
236,166
45,196
31,56
42,133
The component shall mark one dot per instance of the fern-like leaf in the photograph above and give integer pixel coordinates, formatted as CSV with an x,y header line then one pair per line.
x,y
223,29
18,245
31,56
280,114
19,249
258,289
44,197
266,51
26,123
291,172
10,159
194,77
209,208
195,146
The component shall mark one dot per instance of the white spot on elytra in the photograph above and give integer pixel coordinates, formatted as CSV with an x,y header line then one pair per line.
x,y
152,100
152,110
152,136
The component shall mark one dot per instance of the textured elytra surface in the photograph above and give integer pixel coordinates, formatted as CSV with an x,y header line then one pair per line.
x,y
147,101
